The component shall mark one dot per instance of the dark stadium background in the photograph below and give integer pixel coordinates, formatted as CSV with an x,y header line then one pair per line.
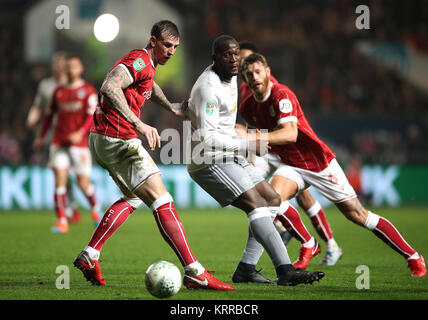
x,y
356,87
364,91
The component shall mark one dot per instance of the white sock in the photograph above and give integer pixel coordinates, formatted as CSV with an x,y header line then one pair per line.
x,y
331,243
312,211
94,254
414,256
310,243
62,220
195,268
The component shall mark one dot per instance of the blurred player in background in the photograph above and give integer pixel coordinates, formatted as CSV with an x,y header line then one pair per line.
x,y
306,160
41,103
218,166
73,105
115,145
267,165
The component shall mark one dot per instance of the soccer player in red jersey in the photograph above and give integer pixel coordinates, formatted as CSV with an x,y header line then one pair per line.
x,y
308,161
73,104
115,145
41,103
267,165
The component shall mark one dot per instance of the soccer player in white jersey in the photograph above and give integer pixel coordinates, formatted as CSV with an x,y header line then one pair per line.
x,y
218,167
41,103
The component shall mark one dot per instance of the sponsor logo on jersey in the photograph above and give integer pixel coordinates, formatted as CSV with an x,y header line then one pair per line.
x,y
138,64
210,108
285,106
71,106
147,94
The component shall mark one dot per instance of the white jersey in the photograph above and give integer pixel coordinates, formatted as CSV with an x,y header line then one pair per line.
x,y
212,112
44,93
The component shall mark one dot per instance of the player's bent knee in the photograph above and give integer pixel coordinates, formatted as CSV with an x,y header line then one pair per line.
x,y
274,200
250,200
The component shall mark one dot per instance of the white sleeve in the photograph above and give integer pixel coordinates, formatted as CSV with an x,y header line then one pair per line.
x,y
38,97
206,108
92,103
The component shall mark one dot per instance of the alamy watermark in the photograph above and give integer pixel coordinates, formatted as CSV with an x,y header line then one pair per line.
x,y
204,146
63,280
362,22
363,280
62,20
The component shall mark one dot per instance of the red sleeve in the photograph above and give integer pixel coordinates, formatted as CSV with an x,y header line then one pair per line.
x,y
91,102
87,123
47,119
46,125
136,62
286,104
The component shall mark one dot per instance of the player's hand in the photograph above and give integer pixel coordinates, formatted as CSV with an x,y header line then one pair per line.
x,y
241,131
151,135
258,143
179,109
75,137
38,143
33,117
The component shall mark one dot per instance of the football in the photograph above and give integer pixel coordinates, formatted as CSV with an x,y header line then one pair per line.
x,y
163,279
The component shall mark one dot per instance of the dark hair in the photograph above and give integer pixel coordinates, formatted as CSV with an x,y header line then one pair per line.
x,y
165,26
252,58
247,45
219,41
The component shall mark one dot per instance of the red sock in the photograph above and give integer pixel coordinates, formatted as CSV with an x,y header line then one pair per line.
x,y
386,231
170,227
291,220
91,196
113,218
319,221
60,201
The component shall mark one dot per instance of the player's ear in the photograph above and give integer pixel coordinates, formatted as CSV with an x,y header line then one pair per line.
x,y
153,41
268,71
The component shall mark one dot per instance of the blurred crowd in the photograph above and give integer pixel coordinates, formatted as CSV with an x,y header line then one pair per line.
x,y
310,46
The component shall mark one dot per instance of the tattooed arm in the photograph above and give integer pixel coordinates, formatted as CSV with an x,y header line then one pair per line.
x,y
112,90
159,97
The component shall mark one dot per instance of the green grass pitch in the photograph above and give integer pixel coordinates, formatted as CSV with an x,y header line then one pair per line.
x,y
30,254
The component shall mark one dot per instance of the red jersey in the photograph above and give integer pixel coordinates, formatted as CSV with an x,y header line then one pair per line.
x,y
278,107
141,70
73,106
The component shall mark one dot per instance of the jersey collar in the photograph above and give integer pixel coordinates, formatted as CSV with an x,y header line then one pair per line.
x,y
151,61
75,85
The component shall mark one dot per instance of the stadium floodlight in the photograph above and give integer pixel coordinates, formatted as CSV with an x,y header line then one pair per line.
x,y
106,27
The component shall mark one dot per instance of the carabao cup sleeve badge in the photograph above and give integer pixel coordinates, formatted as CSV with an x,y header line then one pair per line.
x,y
210,108
138,64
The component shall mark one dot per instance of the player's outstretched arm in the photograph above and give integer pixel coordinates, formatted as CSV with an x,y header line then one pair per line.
x,y
159,97
112,90
287,133
33,116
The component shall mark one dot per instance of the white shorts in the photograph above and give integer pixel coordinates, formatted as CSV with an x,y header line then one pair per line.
x,y
267,164
330,182
127,161
77,159
225,182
